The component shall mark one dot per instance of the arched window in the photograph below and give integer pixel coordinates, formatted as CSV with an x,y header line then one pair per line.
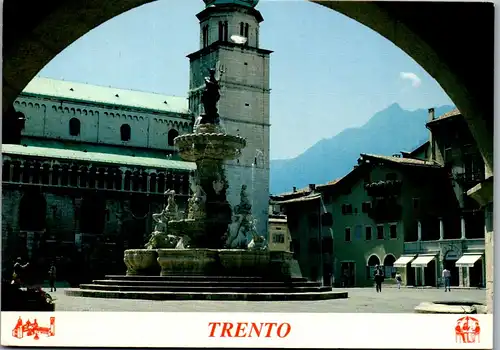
x,y
125,132
373,261
221,31
172,134
225,31
74,127
205,35
389,269
246,30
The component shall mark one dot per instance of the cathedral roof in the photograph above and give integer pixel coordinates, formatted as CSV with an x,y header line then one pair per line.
x,y
96,158
72,91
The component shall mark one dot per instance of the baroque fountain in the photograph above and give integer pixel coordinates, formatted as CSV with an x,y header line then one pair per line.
x,y
211,238
210,251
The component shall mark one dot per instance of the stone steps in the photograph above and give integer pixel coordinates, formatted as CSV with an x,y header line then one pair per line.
x,y
206,296
163,283
200,278
205,289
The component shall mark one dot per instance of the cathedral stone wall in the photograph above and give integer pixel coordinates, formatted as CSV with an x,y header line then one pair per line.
x,y
99,124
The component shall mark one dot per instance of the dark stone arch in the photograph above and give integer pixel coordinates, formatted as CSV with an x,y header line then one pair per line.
x,y
6,174
172,134
128,181
152,183
32,211
93,214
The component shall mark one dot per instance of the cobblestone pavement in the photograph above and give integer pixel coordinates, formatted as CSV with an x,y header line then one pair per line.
x,y
391,300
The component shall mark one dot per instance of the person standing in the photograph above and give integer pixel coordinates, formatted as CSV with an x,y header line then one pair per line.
x,y
447,280
52,277
399,279
379,278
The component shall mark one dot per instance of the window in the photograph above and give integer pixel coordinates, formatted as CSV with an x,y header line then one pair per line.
x,y
393,231
347,234
366,206
205,35
313,220
221,31
368,233
223,35
380,232
246,30
391,176
278,238
346,209
74,127
125,132
172,134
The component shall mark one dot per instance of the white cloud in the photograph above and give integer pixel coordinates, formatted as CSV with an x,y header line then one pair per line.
x,y
415,80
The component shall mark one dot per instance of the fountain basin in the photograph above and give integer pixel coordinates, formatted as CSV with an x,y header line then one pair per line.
x,y
187,262
217,146
242,262
140,261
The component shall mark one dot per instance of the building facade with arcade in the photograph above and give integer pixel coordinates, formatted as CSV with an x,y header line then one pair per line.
x,y
92,166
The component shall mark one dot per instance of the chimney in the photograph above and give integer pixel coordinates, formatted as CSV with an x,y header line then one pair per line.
x,y
312,187
432,114
294,189
432,151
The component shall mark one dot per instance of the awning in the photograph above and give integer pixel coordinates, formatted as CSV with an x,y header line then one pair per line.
x,y
403,260
422,260
467,260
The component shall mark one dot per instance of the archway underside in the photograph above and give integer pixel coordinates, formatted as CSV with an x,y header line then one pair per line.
x,y
425,31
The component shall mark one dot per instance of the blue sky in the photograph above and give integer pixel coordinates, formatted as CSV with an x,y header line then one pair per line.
x,y
328,72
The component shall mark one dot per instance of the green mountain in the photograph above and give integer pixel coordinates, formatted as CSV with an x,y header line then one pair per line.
x,y
389,131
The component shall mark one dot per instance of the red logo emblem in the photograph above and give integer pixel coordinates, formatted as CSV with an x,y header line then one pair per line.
x,y
467,330
32,329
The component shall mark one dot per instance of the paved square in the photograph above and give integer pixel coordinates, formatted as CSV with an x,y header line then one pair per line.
x,y
391,300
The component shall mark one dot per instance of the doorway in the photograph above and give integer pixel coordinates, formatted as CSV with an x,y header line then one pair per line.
x,y
476,274
455,273
430,274
348,274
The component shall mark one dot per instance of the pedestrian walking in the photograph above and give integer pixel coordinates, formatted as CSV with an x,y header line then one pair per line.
x,y
399,279
52,277
447,280
379,278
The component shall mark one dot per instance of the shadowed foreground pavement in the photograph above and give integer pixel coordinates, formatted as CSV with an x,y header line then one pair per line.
x,y
391,300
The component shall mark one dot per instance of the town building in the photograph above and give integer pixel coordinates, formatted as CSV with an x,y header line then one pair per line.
x,y
368,225
92,165
456,240
409,213
229,42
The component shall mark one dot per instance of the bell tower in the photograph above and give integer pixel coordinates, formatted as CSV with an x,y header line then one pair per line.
x,y
229,42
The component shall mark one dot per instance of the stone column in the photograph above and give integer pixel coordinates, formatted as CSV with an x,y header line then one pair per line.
x,y
461,279
462,227
441,229
419,231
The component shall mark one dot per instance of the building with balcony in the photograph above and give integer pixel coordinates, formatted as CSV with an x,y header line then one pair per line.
x,y
456,239
360,220
92,166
